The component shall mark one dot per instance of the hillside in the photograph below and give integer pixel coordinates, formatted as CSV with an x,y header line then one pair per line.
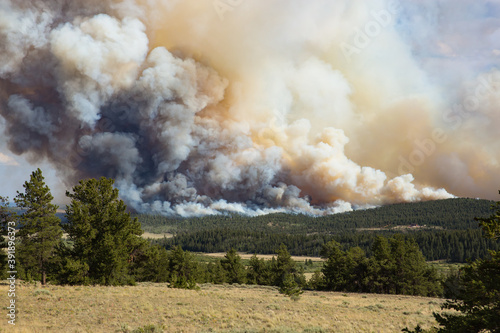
x,y
444,229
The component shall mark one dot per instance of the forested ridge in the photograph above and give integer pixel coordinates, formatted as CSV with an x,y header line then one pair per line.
x,y
443,229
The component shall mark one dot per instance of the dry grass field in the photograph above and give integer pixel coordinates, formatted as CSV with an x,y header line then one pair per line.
x,y
213,308
149,235
246,256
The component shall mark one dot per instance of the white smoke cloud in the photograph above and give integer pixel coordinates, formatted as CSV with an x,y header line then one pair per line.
x,y
258,113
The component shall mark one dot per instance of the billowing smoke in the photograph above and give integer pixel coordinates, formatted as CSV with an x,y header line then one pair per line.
x,y
198,107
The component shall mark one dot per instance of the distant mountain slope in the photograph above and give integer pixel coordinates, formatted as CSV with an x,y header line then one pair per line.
x,y
456,213
444,230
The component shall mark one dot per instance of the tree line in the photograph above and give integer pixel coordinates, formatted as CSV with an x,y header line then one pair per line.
x,y
443,229
451,245
453,214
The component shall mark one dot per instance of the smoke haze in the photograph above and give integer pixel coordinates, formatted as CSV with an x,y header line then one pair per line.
x,y
199,107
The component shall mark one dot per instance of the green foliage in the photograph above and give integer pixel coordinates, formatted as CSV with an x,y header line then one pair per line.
x,y
419,329
410,273
217,273
477,295
259,271
150,263
343,271
478,299
235,271
451,284
40,231
380,266
105,237
450,232
182,269
284,265
287,276
491,224
317,281
396,267
290,287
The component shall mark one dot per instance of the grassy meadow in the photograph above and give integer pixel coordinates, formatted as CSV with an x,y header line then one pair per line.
x,y
212,308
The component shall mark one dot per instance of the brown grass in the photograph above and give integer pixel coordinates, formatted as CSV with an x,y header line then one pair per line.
x,y
145,234
156,236
260,256
213,308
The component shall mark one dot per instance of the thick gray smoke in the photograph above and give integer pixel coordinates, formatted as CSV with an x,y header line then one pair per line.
x,y
85,85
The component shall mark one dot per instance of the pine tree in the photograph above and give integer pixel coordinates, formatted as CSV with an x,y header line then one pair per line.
x,y
381,268
182,269
336,269
217,274
290,287
260,271
106,239
235,271
150,263
287,276
478,294
40,230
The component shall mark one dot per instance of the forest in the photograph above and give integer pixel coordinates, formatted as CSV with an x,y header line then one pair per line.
x,y
443,229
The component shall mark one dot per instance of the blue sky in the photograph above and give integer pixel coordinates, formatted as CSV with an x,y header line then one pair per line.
x,y
453,40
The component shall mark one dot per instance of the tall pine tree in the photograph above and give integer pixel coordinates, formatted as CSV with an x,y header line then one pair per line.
x,y
235,270
40,230
106,239
478,296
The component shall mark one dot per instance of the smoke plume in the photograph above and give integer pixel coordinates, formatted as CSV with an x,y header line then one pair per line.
x,y
200,107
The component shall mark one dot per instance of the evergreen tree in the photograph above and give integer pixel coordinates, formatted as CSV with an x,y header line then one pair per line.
x,y
290,287
40,231
357,263
106,239
478,294
338,268
285,270
491,224
182,269
317,281
398,267
259,271
150,263
343,271
283,265
235,271
380,268
217,274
